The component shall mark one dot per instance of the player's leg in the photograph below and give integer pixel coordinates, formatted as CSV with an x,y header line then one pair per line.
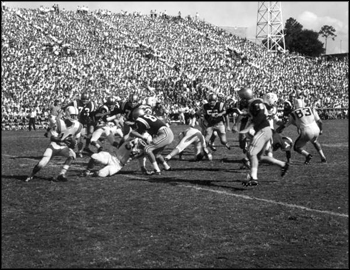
x,y
97,158
90,130
70,156
221,130
42,163
300,142
318,148
164,137
182,145
95,137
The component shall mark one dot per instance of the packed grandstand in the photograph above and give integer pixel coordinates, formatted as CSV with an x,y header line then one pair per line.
x,y
52,54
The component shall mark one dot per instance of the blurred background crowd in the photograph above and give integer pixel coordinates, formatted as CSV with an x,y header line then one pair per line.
x,y
49,54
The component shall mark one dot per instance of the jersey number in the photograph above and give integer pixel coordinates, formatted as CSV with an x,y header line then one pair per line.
x,y
150,117
303,112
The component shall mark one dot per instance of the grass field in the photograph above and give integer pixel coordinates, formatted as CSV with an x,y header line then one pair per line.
x,y
197,216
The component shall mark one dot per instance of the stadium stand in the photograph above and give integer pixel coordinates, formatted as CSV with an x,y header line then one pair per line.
x,y
49,54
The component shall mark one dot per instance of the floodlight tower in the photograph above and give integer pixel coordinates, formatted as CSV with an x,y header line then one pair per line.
x,y
270,26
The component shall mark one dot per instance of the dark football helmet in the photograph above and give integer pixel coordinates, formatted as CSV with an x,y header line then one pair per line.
x,y
137,112
134,99
213,98
85,98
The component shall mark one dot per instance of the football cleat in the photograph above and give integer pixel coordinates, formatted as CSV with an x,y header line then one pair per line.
x,y
145,171
284,169
79,154
307,160
167,170
323,160
210,157
61,178
29,178
250,182
87,173
227,146
199,157
99,149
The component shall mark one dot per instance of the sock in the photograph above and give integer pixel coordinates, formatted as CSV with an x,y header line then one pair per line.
x,y
64,169
155,166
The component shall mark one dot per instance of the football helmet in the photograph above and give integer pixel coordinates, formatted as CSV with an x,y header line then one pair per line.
x,y
85,98
134,99
299,103
72,112
137,112
213,98
287,106
151,101
270,99
245,93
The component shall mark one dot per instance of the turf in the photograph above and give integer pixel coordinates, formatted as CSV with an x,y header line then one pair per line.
x,y
196,216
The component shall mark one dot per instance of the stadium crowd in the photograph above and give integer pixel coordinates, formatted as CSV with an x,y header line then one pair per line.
x,y
50,54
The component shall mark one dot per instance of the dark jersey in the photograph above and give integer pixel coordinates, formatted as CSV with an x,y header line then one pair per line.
x,y
149,123
127,108
211,112
258,111
86,111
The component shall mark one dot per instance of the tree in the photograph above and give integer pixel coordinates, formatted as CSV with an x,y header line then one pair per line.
x,y
292,30
327,31
308,43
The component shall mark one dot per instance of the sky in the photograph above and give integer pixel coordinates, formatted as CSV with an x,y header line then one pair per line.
x,y
312,15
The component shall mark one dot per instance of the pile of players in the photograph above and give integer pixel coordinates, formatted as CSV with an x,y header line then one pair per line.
x,y
138,130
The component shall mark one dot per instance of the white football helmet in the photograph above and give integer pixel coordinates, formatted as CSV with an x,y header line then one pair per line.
x,y
72,112
270,99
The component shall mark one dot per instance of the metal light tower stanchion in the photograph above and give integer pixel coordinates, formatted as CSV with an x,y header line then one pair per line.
x,y
270,26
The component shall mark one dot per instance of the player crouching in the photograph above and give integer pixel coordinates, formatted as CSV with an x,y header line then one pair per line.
x,y
63,140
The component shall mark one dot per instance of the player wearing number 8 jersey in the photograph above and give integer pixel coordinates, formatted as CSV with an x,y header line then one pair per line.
x,y
161,133
309,124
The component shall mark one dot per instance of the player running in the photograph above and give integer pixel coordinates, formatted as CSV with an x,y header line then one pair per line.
x,y
309,124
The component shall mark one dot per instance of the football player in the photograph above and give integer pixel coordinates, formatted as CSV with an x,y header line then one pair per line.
x,y
214,113
86,109
126,109
105,111
129,150
162,136
110,130
191,136
262,136
55,109
309,124
63,140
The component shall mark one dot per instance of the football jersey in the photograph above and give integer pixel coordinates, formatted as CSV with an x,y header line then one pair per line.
x,y
127,108
303,117
258,111
66,129
149,123
211,112
86,111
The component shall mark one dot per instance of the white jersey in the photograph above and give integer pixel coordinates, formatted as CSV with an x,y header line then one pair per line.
x,y
67,128
115,162
303,117
272,116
